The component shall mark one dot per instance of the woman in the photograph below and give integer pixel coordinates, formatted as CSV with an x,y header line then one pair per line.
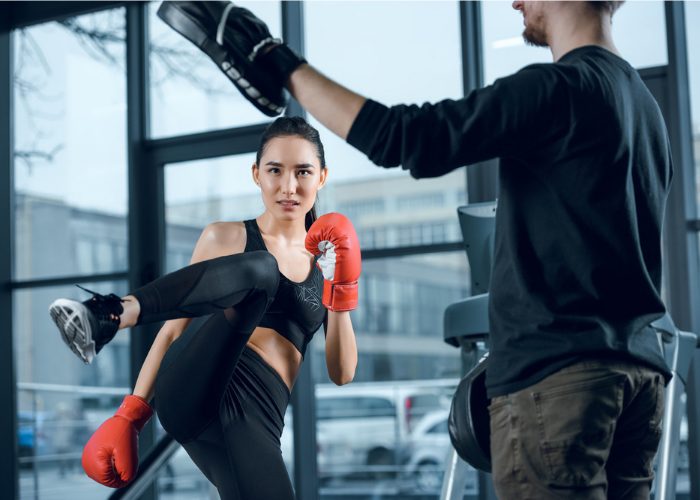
x,y
221,391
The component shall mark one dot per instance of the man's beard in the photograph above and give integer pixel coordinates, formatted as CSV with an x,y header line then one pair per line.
x,y
534,37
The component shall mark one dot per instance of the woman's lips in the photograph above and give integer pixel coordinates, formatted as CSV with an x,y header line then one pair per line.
x,y
288,204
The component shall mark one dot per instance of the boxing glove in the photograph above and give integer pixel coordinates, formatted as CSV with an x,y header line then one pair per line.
x,y
333,239
241,46
110,456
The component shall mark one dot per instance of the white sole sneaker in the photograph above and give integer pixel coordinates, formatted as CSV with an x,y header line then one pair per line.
x,y
71,318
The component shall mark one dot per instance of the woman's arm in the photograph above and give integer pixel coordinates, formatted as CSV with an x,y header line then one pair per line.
x,y
341,349
146,380
216,240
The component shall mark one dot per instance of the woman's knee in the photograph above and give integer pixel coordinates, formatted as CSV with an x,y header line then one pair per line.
x,y
263,272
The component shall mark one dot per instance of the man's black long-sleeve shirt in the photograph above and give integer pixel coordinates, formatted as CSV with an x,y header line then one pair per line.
x,y
585,172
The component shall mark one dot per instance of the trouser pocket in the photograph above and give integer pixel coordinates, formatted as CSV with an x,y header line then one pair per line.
x,y
576,423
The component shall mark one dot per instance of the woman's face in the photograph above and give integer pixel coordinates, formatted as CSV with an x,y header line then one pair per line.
x,y
289,176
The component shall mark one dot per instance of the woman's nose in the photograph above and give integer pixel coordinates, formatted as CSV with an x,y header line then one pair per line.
x,y
289,184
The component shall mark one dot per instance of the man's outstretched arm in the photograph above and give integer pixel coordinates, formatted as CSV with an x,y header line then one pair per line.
x,y
335,106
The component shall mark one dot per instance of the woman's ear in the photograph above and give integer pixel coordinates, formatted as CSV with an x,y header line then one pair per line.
x,y
324,177
255,171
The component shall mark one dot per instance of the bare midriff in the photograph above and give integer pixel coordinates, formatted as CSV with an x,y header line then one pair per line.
x,y
277,352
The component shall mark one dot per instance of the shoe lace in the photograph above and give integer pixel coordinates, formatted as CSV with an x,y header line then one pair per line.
x,y
104,303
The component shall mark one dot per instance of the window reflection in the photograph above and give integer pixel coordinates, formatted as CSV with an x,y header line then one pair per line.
x,y
70,175
188,92
692,18
61,401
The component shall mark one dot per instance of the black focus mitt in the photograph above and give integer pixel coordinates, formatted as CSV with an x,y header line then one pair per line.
x,y
241,46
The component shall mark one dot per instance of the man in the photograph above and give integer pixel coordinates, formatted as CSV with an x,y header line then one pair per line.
x,y
576,375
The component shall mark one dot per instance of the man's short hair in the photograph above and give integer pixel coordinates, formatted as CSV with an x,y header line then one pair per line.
x,y
609,7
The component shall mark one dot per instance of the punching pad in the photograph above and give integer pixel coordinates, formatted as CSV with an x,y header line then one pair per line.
x,y
468,422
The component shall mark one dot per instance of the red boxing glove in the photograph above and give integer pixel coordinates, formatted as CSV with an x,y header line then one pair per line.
x,y
333,238
110,456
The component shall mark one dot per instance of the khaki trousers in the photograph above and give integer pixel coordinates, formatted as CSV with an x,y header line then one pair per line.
x,y
588,431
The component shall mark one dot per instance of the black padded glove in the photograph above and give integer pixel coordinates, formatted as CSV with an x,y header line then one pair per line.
x,y
241,46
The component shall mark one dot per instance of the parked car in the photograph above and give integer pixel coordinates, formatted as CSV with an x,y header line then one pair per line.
x,y
426,452
362,427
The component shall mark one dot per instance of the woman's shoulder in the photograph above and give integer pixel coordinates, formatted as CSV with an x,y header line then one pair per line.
x,y
228,236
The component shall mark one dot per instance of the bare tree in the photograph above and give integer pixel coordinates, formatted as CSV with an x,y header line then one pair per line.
x,y
103,37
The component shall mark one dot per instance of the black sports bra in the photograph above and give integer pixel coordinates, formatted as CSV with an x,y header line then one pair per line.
x,y
297,311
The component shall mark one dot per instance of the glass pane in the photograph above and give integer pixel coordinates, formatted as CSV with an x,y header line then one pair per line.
x,y
383,435
200,192
388,207
60,400
70,175
188,92
692,20
505,51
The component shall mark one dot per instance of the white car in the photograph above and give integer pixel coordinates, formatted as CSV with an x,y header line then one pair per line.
x,y
362,427
427,451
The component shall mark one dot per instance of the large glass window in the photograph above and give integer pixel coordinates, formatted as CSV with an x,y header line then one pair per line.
x,y
505,51
391,64
70,191
692,20
188,92
407,54
60,400
375,430
200,192
70,147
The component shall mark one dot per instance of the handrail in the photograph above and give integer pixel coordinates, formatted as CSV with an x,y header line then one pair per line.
x,y
148,469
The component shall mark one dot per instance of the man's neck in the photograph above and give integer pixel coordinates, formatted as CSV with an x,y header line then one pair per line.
x,y
580,29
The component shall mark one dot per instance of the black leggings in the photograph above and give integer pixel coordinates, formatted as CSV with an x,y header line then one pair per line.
x,y
221,401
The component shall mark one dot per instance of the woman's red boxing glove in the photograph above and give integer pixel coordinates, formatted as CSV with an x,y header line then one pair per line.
x,y
333,237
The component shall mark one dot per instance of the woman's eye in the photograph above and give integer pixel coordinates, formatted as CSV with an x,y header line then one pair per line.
x,y
304,173
274,170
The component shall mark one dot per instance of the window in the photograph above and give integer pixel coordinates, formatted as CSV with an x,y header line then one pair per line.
x,y
398,324
692,18
505,51
61,401
439,428
188,92
391,64
200,192
70,176
422,200
70,195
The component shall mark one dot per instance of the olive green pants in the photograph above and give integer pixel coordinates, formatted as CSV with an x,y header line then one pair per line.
x,y
588,431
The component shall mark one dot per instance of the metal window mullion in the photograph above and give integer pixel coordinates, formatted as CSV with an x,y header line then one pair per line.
x,y
9,471
68,280
482,178
201,146
25,14
145,187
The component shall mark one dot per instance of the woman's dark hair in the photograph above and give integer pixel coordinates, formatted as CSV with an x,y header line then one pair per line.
x,y
285,126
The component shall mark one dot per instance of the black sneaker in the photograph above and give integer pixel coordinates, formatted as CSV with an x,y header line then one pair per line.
x,y
86,327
